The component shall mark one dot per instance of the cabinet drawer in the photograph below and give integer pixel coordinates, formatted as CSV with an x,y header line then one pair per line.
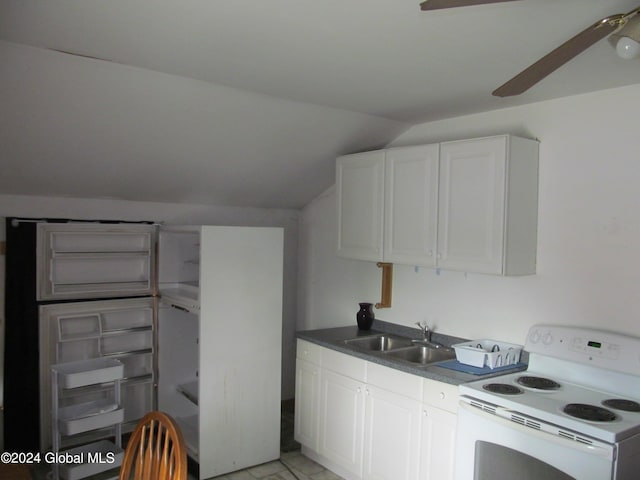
x,y
344,364
441,395
308,351
396,381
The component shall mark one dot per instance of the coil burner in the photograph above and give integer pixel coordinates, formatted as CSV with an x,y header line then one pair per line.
x,y
622,404
538,383
503,388
593,413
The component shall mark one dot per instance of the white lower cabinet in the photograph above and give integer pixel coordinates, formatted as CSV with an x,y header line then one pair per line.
x,y
438,439
372,422
307,394
438,432
341,421
391,435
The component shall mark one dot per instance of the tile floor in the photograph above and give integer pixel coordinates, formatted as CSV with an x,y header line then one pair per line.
x,y
291,466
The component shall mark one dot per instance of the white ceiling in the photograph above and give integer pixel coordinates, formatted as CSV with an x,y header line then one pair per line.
x,y
248,103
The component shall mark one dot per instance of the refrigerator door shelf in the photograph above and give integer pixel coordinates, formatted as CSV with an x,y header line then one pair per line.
x,y
88,372
105,454
73,426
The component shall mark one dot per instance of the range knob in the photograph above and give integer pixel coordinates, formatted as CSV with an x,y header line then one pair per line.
x,y
547,338
534,337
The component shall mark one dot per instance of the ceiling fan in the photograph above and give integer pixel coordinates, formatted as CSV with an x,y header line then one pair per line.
x,y
624,29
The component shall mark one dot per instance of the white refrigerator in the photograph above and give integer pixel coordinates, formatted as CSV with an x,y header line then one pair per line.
x,y
193,312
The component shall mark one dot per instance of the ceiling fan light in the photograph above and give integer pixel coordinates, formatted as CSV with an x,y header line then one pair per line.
x,y
627,48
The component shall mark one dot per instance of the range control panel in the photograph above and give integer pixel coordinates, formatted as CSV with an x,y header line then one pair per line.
x,y
601,348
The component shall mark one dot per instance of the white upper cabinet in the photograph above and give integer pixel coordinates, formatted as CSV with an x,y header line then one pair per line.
x,y
360,191
488,205
411,205
469,205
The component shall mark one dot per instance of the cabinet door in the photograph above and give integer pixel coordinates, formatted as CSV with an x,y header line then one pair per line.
x,y
360,196
472,205
437,444
341,421
411,205
391,436
307,403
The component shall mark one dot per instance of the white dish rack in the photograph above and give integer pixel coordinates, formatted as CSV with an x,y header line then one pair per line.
x,y
487,353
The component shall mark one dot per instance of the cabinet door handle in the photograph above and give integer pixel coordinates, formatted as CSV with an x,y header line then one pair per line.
x,y
358,390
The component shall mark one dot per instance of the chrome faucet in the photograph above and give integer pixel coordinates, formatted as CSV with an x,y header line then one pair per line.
x,y
426,331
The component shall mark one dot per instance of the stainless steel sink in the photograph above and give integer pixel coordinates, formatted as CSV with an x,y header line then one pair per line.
x,y
379,343
422,355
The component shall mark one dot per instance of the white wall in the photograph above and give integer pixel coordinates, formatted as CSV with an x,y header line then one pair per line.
x,y
181,214
588,233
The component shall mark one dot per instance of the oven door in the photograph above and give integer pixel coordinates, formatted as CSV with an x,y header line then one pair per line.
x,y
489,447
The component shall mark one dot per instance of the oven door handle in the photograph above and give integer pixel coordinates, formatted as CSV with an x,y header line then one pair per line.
x,y
502,416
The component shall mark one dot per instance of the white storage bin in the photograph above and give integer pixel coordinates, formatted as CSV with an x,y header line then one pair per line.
x,y
489,353
88,372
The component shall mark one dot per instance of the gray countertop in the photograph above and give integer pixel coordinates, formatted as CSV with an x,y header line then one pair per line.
x,y
334,338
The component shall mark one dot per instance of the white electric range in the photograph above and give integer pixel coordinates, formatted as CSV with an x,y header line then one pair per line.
x,y
573,414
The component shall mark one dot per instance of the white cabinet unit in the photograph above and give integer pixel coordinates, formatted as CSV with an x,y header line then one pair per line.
x,y
411,205
467,205
376,423
488,205
360,193
341,412
100,409
438,431
307,394
341,422
392,424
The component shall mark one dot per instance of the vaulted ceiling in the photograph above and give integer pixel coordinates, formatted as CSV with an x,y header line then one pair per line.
x,y
249,103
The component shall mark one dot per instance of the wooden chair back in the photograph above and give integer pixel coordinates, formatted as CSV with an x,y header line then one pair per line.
x,y
156,450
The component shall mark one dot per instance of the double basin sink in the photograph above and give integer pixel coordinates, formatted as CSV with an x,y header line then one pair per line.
x,y
416,352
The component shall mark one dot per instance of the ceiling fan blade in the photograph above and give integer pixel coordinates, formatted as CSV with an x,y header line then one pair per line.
x,y
561,55
439,4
